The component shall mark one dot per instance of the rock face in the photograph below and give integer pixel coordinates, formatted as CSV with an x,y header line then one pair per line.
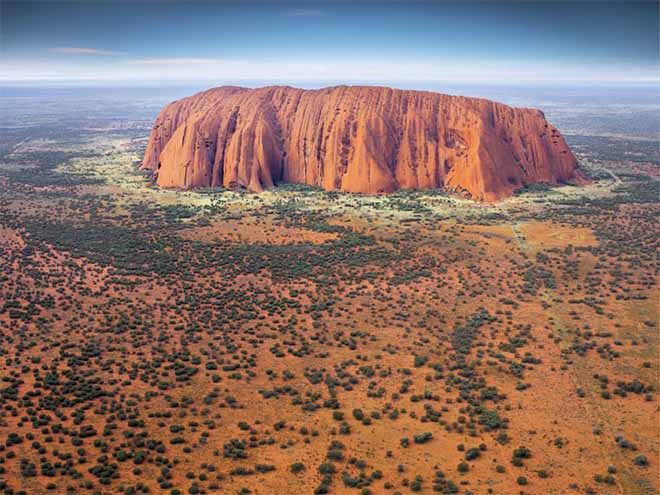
x,y
354,139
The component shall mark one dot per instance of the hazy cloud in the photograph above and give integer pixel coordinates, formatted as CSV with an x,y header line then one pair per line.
x,y
177,61
81,51
386,71
304,13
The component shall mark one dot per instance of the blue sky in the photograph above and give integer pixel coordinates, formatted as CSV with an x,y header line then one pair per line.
x,y
359,41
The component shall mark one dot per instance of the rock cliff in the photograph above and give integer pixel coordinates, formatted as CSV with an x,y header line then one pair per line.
x,y
354,139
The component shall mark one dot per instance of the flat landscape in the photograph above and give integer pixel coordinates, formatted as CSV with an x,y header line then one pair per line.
x,y
299,341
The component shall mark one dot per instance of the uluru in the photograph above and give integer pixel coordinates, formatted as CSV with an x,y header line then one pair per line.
x,y
358,139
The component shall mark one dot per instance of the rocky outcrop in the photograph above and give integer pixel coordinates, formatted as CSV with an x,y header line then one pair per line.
x,y
355,139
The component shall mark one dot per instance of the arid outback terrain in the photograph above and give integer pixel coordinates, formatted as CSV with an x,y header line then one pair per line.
x,y
302,341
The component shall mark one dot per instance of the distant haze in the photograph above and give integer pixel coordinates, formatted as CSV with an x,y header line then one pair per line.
x,y
397,43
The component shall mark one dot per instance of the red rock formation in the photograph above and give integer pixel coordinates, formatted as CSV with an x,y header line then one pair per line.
x,y
354,139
